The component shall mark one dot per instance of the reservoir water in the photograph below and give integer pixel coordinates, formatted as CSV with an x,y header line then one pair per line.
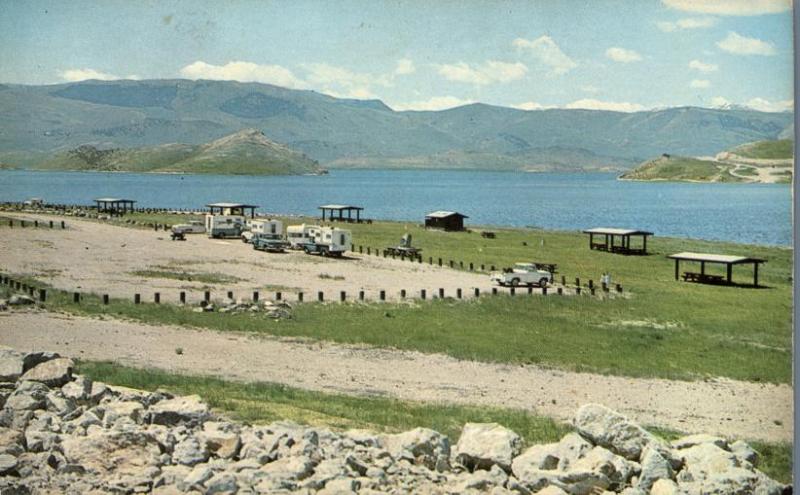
x,y
745,213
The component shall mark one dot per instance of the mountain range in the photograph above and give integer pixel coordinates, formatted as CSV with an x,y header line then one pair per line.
x,y
37,122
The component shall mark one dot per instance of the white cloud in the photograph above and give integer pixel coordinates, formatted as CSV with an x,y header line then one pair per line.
x,y
687,23
730,7
244,72
73,75
719,101
742,45
488,73
404,66
700,83
770,106
613,106
702,66
546,51
434,103
529,105
623,55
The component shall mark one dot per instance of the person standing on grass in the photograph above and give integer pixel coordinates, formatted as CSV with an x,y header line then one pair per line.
x,y
605,279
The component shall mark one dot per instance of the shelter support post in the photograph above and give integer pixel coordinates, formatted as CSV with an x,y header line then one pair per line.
x,y
677,269
730,272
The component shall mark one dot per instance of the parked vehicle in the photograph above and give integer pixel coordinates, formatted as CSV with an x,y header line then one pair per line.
x,y
193,227
523,274
225,226
329,241
262,227
405,248
300,235
270,243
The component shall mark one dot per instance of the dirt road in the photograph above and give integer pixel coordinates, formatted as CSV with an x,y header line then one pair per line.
x,y
724,407
102,258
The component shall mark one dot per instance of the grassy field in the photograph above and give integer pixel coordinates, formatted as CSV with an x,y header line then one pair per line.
x,y
174,274
265,402
772,150
663,328
679,168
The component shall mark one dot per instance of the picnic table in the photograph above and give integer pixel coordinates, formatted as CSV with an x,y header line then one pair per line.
x,y
703,278
488,234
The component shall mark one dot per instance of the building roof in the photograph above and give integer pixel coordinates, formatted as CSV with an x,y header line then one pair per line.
x,y
715,258
444,214
230,205
114,200
615,231
340,207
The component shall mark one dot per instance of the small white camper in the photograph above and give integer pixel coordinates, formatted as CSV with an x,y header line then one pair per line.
x,y
329,241
270,228
299,235
227,219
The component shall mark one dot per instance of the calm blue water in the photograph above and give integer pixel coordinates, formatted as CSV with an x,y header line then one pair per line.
x,y
747,213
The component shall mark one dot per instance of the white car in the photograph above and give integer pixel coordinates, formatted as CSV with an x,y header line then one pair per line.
x,y
193,227
523,274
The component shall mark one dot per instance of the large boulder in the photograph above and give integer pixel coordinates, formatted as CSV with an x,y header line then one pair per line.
x,y
420,445
104,452
612,430
33,359
28,396
483,445
221,438
617,469
53,373
12,365
654,468
711,470
190,410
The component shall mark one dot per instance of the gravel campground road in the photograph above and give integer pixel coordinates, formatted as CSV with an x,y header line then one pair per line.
x,y
753,411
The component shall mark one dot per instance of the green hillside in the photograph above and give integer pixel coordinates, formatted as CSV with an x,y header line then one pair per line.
x,y
766,150
680,168
245,152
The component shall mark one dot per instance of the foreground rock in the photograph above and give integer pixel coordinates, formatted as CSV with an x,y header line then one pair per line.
x,y
61,433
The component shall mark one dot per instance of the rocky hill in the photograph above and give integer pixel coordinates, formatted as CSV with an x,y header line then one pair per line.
x,y
245,152
61,433
136,114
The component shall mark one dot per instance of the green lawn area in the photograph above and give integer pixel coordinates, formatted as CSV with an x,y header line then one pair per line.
x,y
679,168
663,328
266,402
772,150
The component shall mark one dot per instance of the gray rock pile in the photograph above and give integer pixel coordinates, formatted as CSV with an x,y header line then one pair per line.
x,y
62,433
273,309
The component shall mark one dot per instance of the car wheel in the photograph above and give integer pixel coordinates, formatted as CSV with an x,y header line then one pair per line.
x,y
543,282
514,282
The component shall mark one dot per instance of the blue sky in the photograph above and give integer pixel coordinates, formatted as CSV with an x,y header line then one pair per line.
x,y
622,55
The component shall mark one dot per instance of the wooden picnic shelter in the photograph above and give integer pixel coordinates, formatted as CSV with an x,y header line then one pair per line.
x,y
232,209
114,206
610,244
341,209
720,259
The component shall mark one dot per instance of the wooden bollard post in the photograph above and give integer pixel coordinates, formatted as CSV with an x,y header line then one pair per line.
x,y
157,298
440,261
31,291
42,295
477,292
461,264
422,294
369,250
578,291
494,291
299,297
278,296
530,289
591,284
342,296
63,225
182,297
230,294
51,224
155,227
591,290
577,282
451,263
619,288
471,267
441,293
563,280
36,223
76,297
402,293
11,224
382,295
430,260
560,291
320,296
458,293
22,223
513,291
605,287
255,296
492,269
360,249
207,296
137,299
105,299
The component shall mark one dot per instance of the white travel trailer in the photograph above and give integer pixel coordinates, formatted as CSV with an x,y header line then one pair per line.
x,y
329,241
299,235
227,219
270,228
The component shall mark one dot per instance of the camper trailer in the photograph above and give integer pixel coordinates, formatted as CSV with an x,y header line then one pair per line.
x,y
300,235
227,219
329,241
271,229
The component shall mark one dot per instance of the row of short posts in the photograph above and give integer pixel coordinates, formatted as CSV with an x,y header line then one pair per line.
x,y
36,223
16,285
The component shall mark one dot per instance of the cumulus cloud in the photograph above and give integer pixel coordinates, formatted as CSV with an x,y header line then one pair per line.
x,y
613,106
244,72
742,45
700,83
730,7
546,51
487,73
687,23
702,66
720,102
74,75
405,66
623,55
434,103
770,106
529,105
